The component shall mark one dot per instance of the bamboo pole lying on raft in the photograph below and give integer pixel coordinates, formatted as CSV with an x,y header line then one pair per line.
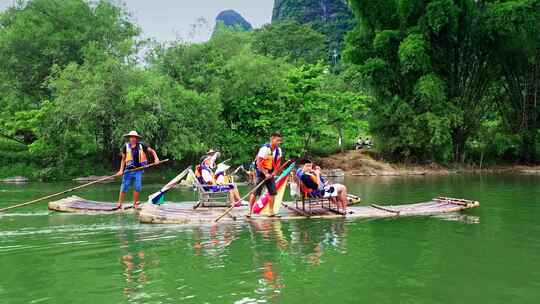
x,y
385,209
80,187
455,201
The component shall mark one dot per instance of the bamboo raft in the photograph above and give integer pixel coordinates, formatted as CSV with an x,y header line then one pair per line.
x,y
183,213
75,204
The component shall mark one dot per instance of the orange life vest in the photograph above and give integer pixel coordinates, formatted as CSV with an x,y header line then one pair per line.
x,y
271,160
130,162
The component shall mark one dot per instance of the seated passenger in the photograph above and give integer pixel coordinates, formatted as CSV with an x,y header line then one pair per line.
x,y
336,193
310,181
219,182
314,185
204,171
223,180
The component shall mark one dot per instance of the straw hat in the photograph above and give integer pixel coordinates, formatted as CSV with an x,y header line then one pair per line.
x,y
133,134
211,151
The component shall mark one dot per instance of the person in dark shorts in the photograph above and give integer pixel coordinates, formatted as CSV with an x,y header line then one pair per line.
x,y
267,162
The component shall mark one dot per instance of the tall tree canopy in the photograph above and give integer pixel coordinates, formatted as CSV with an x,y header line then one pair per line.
x,y
73,83
37,36
432,67
432,80
515,26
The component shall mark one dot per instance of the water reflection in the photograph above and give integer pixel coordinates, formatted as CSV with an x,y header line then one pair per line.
x,y
312,241
279,246
256,261
212,241
459,217
270,281
133,262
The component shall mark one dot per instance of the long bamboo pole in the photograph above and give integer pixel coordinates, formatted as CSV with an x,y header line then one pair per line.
x,y
80,187
250,192
243,198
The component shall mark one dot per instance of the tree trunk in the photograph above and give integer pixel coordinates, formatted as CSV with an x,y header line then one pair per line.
x,y
528,146
340,140
458,146
108,148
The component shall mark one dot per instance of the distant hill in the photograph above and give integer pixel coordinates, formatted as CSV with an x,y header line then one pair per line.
x,y
333,18
232,20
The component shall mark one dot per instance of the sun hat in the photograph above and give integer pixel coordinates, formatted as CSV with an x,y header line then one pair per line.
x,y
133,134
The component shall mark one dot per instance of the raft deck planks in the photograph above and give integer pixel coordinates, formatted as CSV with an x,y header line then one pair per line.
x,y
183,213
75,204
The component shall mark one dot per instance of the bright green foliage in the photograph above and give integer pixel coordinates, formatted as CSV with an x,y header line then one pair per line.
x,y
261,94
36,35
438,69
200,66
225,93
413,55
95,104
515,26
427,63
296,43
42,36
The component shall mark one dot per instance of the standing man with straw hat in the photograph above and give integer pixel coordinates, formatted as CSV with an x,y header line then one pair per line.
x,y
134,155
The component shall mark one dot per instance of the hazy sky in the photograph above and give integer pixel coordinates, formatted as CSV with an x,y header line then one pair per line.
x,y
168,20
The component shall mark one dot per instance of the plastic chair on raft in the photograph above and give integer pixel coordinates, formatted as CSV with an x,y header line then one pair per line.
x,y
308,205
212,195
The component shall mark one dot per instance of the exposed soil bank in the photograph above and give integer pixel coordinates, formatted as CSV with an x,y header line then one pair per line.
x,y
361,163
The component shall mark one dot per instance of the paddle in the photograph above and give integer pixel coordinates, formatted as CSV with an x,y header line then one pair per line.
x,y
80,187
250,192
158,197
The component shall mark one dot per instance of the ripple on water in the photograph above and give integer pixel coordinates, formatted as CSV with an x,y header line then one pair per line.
x,y
42,213
65,229
40,300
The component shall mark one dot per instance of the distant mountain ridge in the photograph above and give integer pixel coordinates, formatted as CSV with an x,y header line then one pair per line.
x,y
231,19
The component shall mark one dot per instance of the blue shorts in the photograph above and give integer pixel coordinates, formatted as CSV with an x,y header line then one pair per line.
x,y
132,179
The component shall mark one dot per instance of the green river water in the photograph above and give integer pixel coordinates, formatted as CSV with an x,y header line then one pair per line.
x,y
487,255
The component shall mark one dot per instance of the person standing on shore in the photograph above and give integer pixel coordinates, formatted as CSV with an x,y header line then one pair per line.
x,y
134,155
267,163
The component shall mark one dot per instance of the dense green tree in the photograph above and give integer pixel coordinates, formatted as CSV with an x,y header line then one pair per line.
x,y
38,35
199,66
297,43
94,104
261,92
515,26
428,63
250,92
431,80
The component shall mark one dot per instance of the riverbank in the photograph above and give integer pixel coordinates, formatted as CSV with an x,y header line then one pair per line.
x,y
350,163
365,163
